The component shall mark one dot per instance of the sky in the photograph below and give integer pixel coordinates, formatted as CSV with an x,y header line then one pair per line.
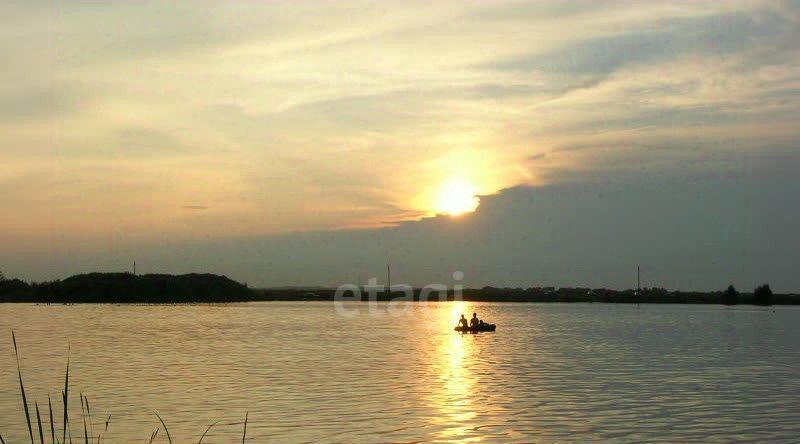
x,y
309,143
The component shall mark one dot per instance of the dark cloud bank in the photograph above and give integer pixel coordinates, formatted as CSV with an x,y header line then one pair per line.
x,y
693,232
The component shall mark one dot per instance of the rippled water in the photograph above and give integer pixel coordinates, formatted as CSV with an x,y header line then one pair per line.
x,y
551,372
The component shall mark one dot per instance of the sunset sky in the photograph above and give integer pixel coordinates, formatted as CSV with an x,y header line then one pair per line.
x,y
288,143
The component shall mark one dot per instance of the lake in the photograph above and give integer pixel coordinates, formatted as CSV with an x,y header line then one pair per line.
x,y
303,372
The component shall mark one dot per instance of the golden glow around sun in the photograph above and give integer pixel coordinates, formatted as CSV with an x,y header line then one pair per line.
x,y
459,180
457,197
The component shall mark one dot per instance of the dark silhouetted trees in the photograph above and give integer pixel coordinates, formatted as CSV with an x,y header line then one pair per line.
x,y
189,288
13,290
762,295
730,296
128,288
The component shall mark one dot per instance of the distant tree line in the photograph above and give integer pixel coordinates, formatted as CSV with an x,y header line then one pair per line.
x,y
165,288
762,295
127,288
552,294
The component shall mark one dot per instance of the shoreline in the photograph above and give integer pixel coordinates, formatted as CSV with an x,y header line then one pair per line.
x,y
127,288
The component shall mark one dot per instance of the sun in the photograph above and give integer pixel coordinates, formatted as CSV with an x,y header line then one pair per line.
x,y
457,197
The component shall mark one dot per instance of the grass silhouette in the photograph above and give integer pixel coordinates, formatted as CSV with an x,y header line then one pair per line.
x,y
88,427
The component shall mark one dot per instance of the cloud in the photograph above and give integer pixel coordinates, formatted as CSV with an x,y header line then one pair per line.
x,y
42,102
660,41
686,231
143,141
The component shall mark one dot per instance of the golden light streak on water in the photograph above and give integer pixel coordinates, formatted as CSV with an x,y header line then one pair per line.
x,y
454,401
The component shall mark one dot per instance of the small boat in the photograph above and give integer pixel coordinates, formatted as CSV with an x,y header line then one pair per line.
x,y
476,329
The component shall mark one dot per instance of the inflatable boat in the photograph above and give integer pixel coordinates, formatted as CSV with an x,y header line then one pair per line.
x,y
476,329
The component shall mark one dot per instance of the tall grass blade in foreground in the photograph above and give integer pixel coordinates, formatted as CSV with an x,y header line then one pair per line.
x,y
88,427
244,433
65,396
22,387
169,438
39,422
108,420
153,436
52,428
88,413
83,417
206,432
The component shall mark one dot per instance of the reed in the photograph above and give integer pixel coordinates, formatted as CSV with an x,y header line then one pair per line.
x,y
206,432
39,422
88,425
153,436
166,430
86,411
83,417
65,400
22,388
52,429
244,433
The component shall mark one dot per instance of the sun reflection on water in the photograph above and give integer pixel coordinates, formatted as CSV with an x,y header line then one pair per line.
x,y
454,397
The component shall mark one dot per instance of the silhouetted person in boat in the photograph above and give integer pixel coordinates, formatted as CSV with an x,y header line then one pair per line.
x,y
474,321
462,322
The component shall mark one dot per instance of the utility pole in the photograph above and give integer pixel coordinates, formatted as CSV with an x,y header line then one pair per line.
x,y
134,268
389,279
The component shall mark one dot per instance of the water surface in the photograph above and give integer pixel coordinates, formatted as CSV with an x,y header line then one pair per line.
x,y
551,372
